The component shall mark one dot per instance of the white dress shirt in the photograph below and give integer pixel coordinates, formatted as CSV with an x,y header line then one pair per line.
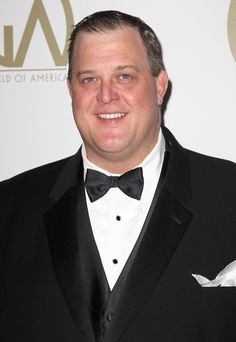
x,y
117,219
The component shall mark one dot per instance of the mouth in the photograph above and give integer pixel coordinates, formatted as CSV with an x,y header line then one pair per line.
x,y
110,116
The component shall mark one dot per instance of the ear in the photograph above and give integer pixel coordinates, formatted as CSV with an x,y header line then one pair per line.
x,y
161,86
69,86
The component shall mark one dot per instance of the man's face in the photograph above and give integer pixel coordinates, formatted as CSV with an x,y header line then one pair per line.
x,y
115,98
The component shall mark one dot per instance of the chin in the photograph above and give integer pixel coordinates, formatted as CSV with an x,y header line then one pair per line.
x,y
112,145
105,150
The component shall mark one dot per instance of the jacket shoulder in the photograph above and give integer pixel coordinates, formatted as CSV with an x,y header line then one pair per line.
x,y
211,164
213,177
38,179
209,176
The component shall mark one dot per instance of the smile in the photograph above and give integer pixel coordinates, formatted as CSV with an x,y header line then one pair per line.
x,y
111,116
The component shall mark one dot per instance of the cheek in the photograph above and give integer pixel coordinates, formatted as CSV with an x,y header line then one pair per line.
x,y
81,102
133,98
144,96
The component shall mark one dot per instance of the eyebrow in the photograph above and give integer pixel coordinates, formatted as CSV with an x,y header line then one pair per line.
x,y
84,72
120,67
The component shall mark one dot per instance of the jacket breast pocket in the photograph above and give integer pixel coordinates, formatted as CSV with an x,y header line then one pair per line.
x,y
219,294
218,313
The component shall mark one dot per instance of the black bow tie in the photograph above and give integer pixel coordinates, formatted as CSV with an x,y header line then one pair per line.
x,y
97,184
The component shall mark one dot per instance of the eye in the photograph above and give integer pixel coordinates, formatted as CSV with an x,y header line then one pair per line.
x,y
125,77
89,80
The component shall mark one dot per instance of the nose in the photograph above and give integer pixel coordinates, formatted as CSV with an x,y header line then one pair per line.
x,y
107,92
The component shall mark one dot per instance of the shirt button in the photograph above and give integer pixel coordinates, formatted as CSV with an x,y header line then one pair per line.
x,y
115,261
109,316
118,218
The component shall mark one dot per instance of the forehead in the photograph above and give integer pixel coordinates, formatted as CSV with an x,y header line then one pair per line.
x,y
122,39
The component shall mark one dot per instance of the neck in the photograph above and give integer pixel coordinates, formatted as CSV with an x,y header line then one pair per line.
x,y
118,163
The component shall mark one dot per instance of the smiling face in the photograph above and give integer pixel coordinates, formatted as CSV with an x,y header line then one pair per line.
x,y
115,98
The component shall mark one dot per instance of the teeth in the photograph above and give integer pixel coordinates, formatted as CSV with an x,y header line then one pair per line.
x,y
111,116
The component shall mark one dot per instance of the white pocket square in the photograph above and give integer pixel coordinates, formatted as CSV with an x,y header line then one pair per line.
x,y
227,277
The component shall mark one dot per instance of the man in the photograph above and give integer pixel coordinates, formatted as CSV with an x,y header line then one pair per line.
x,y
102,246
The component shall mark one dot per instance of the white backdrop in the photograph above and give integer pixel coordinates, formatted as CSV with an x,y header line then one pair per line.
x,y
36,123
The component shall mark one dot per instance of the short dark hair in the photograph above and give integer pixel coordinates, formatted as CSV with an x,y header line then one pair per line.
x,y
105,21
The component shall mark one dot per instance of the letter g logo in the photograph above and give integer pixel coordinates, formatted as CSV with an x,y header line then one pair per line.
x,y
39,15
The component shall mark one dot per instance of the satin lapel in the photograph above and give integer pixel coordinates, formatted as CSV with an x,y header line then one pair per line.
x,y
165,230
167,223
62,230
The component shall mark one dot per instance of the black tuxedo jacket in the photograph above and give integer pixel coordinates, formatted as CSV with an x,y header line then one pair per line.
x,y
192,229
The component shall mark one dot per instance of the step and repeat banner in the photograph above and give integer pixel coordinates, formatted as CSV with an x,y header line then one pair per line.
x,y
199,48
